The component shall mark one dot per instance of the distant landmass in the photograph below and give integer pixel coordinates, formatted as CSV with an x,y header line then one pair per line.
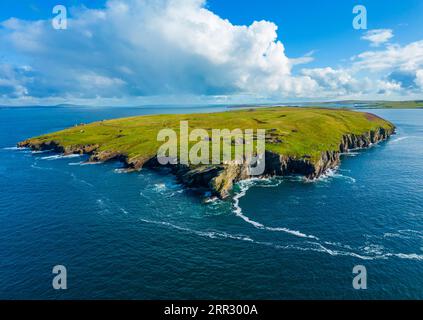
x,y
356,104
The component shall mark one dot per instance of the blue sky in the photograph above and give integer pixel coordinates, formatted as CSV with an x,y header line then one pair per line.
x,y
316,53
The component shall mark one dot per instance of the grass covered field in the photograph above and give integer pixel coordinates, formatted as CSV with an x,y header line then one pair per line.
x,y
290,131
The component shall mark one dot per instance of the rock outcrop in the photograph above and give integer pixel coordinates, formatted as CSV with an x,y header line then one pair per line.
x,y
281,165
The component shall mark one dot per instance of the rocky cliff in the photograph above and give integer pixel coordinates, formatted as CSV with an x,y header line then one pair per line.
x,y
218,180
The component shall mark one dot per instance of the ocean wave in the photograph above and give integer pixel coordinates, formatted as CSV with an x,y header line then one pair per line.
x,y
83,163
312,246
61,156
411,231
407,256
103,206
369,252
76,179
144,196
14,148
350,154
160,187
124,211
212,200
334,174
208,234
244,186
375,249
167,189
400,234
34,166
75,163
19,149
400,139
89,163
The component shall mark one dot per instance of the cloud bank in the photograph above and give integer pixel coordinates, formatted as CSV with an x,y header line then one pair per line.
x,y
142,48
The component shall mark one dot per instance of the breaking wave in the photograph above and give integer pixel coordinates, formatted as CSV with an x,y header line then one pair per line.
x,y
400,139
61,156
333,174
244,186
312,246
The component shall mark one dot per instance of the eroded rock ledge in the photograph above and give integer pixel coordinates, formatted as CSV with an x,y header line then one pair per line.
x,y
218,180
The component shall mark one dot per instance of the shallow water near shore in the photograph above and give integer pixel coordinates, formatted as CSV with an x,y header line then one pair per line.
x,y
141,235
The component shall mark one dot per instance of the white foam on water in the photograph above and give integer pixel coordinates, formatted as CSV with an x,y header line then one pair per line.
x,y
334,174
212,200
208,234
350,154
83,163
244,186
410,231
35,166
400,139
124,211
350,179
315,246
61,156
370,252
159,187
89,163
338,244
14,148
375,249
395,235
75,163
321,248
76,179
407,256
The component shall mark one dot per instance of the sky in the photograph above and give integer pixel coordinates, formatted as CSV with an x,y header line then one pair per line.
x,y
132,52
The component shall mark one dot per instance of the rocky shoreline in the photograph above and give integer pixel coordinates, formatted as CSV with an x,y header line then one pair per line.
x,y
218,180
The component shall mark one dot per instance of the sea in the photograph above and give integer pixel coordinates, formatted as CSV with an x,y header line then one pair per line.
x,y
144,236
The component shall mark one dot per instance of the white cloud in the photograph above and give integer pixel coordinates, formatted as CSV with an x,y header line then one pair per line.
x,y
378,36
408,57
155,47
138,48
345,82
12,81
331,79
419,78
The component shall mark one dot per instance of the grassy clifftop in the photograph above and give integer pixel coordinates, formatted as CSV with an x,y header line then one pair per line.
x,y
293,132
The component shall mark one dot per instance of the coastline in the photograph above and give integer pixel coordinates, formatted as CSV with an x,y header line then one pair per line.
x,y
218,180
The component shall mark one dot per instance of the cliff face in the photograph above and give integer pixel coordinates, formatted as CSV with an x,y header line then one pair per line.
x,y
218,180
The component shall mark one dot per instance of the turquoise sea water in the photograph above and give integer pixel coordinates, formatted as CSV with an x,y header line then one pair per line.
x,y
141,235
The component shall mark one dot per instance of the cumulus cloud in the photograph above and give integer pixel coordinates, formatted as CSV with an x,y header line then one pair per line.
x,y
378,36
408,57
147,48
399,64
155,47
339,80
419,78
13,80
345,82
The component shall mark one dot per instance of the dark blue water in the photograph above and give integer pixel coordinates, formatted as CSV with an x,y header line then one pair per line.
x,y
141,235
